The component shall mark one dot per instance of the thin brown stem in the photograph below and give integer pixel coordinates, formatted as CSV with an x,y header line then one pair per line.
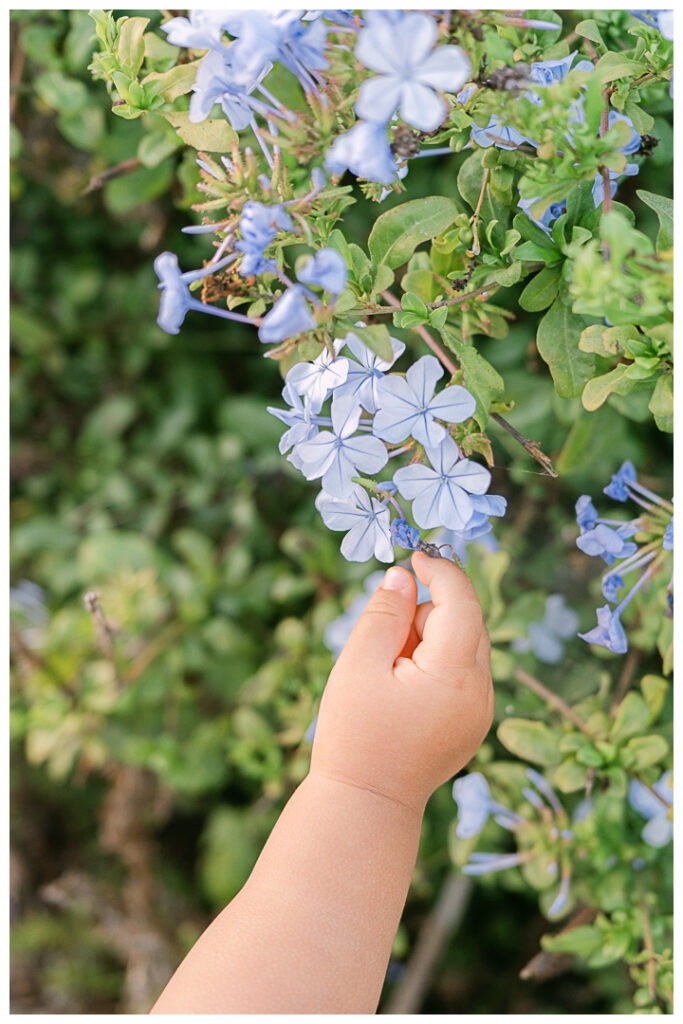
x,y
531,447
16,71
547,965
474,220
425,335
553,699
604,171
455,300
103,630
630,666
125,167
433,937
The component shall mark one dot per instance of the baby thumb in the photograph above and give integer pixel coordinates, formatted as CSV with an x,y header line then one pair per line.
x,y
382,630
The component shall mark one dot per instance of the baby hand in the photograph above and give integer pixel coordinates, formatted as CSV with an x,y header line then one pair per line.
x,y
410,698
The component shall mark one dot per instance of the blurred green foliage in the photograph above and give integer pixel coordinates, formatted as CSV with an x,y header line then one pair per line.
x,y
156,736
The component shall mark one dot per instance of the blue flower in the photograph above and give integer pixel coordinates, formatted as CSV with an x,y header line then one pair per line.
x,y
560,901
289,316
317,380
258,226
176,299
366,372
586,513
545,638
408,406
475,804
403,535
441,495
611,583
550,214
598,190
617,487
302,46
203,30
300,419
668,541
365,151
659,829
608,543
218,82
367,522
410,70
609,631
484,863
326,269
663,21
497,134
547,72
337,455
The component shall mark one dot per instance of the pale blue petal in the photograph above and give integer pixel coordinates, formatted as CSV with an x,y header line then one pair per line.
x,y
412,480
422,377
454,404
378,98
421,107
446,68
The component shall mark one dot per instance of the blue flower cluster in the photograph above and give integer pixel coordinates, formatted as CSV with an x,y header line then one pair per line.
x,y
233,75
475,806
545,73
375,416
411,73
612,540
544,638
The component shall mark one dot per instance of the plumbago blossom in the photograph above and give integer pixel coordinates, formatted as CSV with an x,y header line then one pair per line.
x,y
547,841
449,491
613,541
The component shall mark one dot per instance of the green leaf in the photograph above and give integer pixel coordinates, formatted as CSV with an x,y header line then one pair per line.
x,y
662,403
481,379
376,338
214,135
632,717
532,252
176,82
532,741
664,208
541,289
131,45
600,388
644,751
155,147
613,66
582,940
570,776
438,317
397,233
589,30
641,120
558,345
654,691
61,93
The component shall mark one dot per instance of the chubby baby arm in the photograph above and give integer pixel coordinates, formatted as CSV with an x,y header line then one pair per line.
x,y
406,706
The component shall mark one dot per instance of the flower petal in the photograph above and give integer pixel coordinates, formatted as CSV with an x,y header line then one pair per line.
x,y
421,107
378,98
454,404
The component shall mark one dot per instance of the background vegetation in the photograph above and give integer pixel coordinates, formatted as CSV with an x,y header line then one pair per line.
x,y
158,727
